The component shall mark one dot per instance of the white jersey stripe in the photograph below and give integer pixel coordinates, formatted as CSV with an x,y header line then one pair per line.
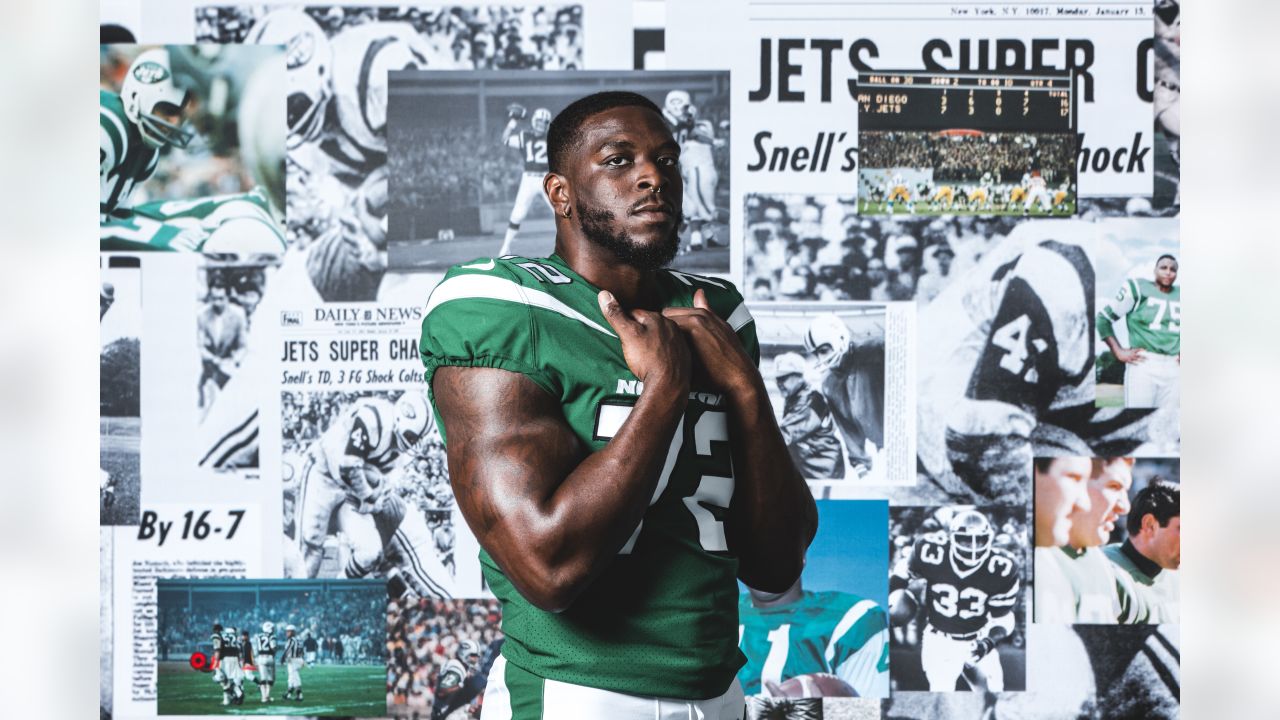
x,y
740,317
466,287
851,618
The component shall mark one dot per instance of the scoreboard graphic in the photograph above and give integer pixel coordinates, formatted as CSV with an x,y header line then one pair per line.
x,y
967,142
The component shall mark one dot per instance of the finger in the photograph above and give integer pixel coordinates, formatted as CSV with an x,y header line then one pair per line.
x,y
613,312
700,300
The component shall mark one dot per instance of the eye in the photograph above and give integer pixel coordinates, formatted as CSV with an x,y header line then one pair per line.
x,y
617,160
669,161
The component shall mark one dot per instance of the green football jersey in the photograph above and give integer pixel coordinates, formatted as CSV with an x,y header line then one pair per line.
x,y
1159,588
661,619
243,223
822,632
1153,318
124,158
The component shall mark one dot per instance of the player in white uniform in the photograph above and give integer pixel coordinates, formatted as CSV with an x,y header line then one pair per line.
x,y
342,479
264,646
697,164
408,546
532,144
969,590
898,191
1037,194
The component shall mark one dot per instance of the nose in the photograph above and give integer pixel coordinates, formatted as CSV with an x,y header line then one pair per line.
x,y
649,177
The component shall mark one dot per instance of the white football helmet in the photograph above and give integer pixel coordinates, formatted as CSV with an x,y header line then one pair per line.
x,y
269,628
309,59
413,419
829,330
677,103
147,86
467,649
971,537
541,120
290,629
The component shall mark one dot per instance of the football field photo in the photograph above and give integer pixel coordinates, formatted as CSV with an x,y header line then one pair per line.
x,y
465,177
331,690
120,439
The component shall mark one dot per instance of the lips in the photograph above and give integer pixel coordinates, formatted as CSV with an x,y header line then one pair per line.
x,y
656,208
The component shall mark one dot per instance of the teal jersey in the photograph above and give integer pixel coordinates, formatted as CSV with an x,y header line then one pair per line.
x,y
1153,318
822,632
124,158
661,619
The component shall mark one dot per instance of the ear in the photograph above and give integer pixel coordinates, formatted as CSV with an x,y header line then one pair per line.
x,y
1150,523
557,189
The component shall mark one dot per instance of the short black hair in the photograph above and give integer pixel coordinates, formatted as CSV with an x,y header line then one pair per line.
x,y
1166,255
1160,499
566,128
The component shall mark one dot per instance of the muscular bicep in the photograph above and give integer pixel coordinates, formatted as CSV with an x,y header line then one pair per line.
x,y
509,449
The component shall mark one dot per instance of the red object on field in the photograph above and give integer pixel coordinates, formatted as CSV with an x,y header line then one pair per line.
x,y
960,132
200,661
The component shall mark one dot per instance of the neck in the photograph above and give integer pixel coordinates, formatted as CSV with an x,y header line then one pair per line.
x,y
1136,553
633,287
785,598
1164,288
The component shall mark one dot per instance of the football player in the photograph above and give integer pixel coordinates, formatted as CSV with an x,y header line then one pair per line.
x,y
807,424
294,658
942,198
698,168
1153,552
407,548
969,592
532,143
343,474
1152,311
229,674
462,680
1037,194
898,191
853,385
265,649
1008,373
135,126
800,632
1098,594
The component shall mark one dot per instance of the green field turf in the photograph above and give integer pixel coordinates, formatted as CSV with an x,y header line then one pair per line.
x,y
1110,395
328,690
867,207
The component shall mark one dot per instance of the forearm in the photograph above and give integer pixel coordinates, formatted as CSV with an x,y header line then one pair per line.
x,y
773,517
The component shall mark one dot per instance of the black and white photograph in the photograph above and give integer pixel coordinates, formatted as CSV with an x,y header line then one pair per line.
x,y
1085,671
1108,540
338,107
1166,103
439,656
229,290
271,647
120,388
469,153
1008,372
964,171
824,367
366,491
957,598
191,155
816,247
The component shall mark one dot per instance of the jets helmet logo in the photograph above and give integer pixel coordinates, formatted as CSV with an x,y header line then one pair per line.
x,y
151,72
301,48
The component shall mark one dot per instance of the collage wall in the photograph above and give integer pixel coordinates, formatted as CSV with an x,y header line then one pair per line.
x,y
955,226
